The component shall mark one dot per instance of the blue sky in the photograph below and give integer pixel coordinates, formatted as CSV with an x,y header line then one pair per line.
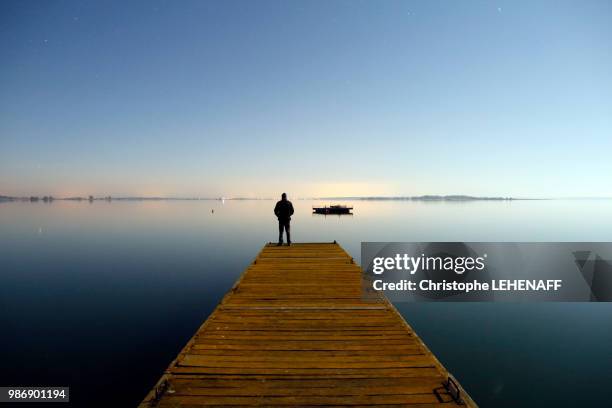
x,y
196,98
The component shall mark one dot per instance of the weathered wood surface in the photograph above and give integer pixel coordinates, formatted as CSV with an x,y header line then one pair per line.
x,y
295,331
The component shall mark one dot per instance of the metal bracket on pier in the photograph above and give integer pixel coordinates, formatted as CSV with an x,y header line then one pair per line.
x,y
454,390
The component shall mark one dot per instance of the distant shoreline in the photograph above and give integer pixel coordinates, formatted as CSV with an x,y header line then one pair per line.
x,y
427,198
435,198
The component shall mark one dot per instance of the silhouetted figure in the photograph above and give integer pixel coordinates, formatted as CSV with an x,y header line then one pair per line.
x,y
283,211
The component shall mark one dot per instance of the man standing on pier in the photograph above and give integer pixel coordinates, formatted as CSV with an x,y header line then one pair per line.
x,y
283,211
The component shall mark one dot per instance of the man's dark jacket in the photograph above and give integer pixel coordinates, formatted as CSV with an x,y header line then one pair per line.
x,y
283,210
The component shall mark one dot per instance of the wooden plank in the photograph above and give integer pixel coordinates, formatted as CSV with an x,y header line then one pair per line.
x,y
297,330
302,358
347,400
375,353
194,360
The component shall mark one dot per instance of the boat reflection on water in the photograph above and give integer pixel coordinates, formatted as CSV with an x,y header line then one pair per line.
x,y
333,210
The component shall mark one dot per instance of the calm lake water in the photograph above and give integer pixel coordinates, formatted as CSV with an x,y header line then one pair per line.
x,y
102,296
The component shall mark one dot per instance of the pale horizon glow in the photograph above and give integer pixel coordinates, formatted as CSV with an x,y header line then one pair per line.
x,y
316,98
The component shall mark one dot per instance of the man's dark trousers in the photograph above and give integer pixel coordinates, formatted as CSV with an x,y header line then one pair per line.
x,y
284,224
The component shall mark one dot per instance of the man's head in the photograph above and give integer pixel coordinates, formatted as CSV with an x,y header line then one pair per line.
x,y
284,196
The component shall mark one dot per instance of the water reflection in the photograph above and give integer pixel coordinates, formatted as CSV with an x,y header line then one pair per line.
x,y
105,293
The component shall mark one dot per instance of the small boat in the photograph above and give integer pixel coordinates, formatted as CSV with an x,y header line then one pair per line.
x,y
332,209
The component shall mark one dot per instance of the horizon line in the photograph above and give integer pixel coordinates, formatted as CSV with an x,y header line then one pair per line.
x,y
425,197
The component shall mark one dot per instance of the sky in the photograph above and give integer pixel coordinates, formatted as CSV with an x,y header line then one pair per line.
x,y
316,98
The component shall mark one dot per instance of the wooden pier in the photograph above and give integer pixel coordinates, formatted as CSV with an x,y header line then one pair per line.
x,y
295,331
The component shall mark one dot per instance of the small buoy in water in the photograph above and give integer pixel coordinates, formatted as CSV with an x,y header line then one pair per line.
x,y
212,211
